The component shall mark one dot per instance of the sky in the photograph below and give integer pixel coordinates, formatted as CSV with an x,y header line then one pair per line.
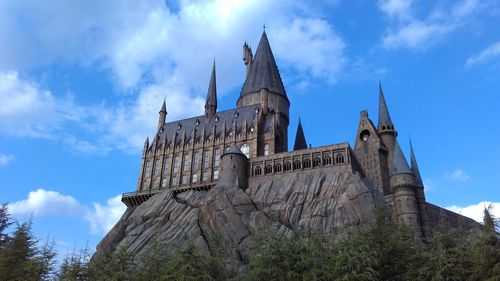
x,y
81,84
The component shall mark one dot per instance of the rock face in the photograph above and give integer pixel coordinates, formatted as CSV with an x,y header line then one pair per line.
x,y
228,217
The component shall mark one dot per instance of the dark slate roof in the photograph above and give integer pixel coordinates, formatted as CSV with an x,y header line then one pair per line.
x,y
233,149
164,107
383,112
399,163
212,91
300,139
414,168
263,72
199,123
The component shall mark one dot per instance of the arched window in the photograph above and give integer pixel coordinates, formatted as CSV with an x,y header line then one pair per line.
x,y
245,148
166,165
307,163
339,158
258,171
316,162
327,160
287,166
268,169
277,167
296,164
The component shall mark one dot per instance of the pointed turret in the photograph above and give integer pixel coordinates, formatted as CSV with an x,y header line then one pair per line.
x,y
384,119
399,163
163,115
300,139
211,102
414,168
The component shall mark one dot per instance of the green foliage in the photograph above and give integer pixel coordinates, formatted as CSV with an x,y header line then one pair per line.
x,y
75,266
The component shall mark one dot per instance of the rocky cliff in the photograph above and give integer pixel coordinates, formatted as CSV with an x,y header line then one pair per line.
x,y
324,201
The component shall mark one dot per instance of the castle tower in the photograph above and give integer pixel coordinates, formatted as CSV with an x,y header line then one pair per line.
x,y
211,102
300,139
419,184
404,187
233,168
385,127
163,115
372,154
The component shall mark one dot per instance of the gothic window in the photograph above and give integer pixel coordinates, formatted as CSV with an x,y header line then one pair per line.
x,y
206,160
296,164
216,174
164,182
307,163
205,176
245,148
339,158
166,165
277,167
327,160
266,149
258,171
155,184
157,167
174,180
148,167
186,162
176,163
268,169
316,162
287,166
196,164
195,177
217,157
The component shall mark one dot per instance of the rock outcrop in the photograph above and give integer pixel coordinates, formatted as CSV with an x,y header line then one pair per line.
x,y
228,216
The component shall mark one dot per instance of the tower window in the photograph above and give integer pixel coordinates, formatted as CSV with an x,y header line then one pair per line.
x,y
217,157
316,162
287,166
174,180
296,164
176,163
307,163
186,162
164,182
205,176
266,149
268,169
157,167
184,179
195,177
245,148
216,174
365,134
166,165
339,158
258,171
196,164
206,160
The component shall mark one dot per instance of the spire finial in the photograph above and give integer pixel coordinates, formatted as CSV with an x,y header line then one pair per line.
x,y
300,139
264,27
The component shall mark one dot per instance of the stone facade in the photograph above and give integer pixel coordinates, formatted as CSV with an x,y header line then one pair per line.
x,y
245,145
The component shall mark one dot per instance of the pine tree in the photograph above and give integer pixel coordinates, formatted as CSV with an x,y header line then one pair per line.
x,y
487,250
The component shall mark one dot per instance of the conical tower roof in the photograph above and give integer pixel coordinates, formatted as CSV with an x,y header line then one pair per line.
x,y
399,163
383,112
163,107
414,168
263,72
212,91
300,139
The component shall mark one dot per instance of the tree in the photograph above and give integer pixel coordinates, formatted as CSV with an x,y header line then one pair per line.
x,y
75,266
5,222
486,250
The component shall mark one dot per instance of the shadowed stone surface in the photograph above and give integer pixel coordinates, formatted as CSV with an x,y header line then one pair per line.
x,y
228,217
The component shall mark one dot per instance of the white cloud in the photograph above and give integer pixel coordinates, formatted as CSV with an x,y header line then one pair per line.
x,y
41,202
409,32
490,52
476,211
5,159
457,175
103,217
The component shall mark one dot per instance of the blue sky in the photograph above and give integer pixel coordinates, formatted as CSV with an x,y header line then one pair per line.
x,y
81,84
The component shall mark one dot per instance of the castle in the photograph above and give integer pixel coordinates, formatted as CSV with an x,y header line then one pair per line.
x,y
251,141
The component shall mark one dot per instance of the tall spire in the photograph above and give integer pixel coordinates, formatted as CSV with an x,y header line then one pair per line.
x,y
300,139
211,102
164,107
399,163
384,119
414,168
163,115
263,72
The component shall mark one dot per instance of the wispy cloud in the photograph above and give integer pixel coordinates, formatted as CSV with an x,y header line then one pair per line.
x,y
41,203
5,159
457,175
488,53
408,31
476,211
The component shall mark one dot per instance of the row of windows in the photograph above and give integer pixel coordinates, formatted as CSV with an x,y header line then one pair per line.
x,y
184,179
297,164
185,166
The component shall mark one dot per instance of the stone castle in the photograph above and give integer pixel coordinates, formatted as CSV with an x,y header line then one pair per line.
x,y
250,142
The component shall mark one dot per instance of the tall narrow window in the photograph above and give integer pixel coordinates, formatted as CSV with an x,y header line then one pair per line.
x,y
266,149
166,166
205,176
245,148
216,174
176,163
217,157
164,182
185,179
186,162
206,159
196,164
157,167
195,177
174,180
148,167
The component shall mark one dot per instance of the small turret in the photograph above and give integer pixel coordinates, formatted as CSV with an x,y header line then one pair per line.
x,y
404,189
233,167
211,102
385,127
300,139
247,57
163,115
419,184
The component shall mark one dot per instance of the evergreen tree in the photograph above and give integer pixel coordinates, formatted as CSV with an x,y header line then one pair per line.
x,y
75,267
487,250
116,267
5,222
